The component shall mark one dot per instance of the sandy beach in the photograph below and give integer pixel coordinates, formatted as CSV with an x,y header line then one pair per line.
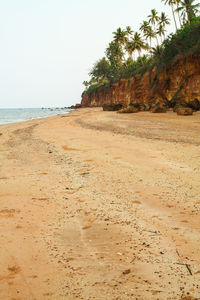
x,y
100,205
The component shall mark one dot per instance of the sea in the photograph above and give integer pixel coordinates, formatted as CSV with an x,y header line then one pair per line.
x,y
12,115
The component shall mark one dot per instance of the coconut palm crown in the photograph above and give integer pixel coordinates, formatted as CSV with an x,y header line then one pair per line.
x,y
171,3
188,8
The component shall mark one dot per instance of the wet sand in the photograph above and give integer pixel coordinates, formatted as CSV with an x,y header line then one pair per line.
x,y
100,205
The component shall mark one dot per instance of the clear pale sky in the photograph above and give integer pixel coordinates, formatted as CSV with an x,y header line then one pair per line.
x,y
47,47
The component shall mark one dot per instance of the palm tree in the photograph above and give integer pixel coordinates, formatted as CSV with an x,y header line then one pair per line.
x,y
142,60
130,48
171,3
144,27
120,37
153,18
189,8
129,31
139,43
161,32
164,20
150,34
157,51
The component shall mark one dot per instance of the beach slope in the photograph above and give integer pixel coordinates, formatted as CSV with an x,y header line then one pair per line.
x,y
100,205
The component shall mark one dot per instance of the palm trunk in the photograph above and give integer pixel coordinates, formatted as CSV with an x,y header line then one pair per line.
x,y
164,35
123,55
156,35
174,17
179,17
157,40
189,15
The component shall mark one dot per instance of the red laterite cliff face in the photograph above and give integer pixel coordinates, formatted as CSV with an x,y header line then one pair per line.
x,y
180,81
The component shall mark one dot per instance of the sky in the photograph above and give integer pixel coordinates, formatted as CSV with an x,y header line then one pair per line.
x,y
47,47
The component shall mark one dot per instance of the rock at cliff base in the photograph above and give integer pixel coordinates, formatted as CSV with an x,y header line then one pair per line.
x,y
112,107
136,105
159,109
194,104
140,106
74,106
184,111
129,109
146,107
179,105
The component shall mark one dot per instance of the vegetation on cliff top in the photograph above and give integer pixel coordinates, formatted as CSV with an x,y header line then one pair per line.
x,y
131,53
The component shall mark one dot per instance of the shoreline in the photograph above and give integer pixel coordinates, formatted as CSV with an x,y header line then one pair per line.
x,y
35,118
100,205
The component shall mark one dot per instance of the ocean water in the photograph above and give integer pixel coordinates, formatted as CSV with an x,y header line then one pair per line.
x,y
12,115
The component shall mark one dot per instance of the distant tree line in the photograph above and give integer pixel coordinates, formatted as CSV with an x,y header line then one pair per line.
x,y
132,52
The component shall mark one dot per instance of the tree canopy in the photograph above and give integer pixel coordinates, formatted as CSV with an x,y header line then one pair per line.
x,y
132,52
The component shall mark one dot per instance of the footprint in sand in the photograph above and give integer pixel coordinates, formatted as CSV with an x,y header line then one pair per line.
x,y
13,270
40,199
87,213
91,220
48,294
66,148
136,202
33,276
8,213
88,160
86,227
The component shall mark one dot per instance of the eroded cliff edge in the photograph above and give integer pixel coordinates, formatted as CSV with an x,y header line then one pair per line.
x,y
177,83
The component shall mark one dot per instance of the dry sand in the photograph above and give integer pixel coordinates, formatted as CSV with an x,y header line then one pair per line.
x,y
99,205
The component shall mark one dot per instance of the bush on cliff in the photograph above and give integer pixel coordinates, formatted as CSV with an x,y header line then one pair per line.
x,y
185,40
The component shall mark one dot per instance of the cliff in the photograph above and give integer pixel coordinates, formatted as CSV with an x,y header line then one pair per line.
x,y
178,82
